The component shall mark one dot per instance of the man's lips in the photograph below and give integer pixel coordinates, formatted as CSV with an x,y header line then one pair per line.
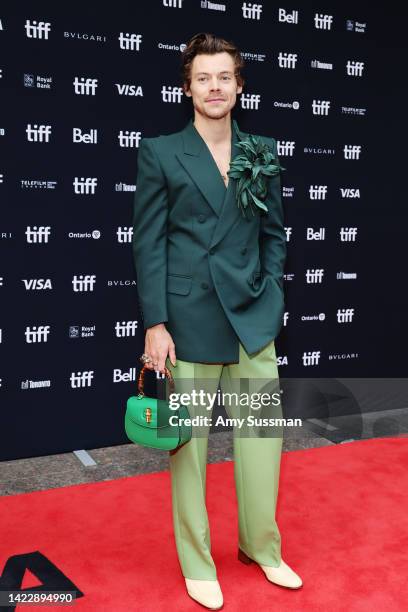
x,y
216,100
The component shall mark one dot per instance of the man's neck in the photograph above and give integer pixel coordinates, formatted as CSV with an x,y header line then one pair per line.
x,y
214,131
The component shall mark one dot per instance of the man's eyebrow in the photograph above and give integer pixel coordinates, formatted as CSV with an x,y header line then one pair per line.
x,y
222,72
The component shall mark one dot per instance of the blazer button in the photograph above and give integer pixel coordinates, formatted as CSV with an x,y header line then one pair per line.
x,y
244,251
201,218
211,251
204,285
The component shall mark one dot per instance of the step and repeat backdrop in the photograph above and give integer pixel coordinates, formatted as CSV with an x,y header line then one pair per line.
x,y
80,87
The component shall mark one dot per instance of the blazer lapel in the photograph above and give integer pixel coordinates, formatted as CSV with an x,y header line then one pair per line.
x,y
199,163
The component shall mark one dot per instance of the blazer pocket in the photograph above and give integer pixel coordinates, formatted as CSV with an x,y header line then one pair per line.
x,y
179,284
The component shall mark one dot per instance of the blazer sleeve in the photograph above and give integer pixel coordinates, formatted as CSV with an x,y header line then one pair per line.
x,y
149,242
272,231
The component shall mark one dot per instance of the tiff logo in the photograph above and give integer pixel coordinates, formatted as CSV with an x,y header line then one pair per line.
x,y
287,60
318,192
38,235
352,151
354,68
173,3
85,86
285,17
125,329
348,234
83,282
251,10
81,379
85,186
129,42
323,22
38,133
37,334
285,318
314,276
310,358
345,315
285,147
250,101
171,94
124,234
129,139
288,231
320,107
35,29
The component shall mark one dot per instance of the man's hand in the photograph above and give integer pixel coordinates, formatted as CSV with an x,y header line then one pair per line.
x,y
159,344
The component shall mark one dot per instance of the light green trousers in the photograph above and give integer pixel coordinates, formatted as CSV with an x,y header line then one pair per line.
x,y
256,466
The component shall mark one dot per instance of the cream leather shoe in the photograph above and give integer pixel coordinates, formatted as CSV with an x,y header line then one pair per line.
x,y
282,576
206,592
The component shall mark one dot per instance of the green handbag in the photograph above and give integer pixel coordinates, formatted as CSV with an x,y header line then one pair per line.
x,y
147,419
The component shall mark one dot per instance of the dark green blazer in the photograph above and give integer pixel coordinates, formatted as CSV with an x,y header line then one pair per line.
x,y
212,276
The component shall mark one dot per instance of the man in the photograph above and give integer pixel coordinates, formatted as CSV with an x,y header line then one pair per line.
x,y
210,285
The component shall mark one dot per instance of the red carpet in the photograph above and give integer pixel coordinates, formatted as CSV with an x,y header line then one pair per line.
x,y
342,513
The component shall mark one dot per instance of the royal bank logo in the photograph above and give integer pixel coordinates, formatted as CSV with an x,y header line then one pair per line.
x,y
287,60
85,86
81,331
129,42
37,29
37,81
323,22
355,26
250,101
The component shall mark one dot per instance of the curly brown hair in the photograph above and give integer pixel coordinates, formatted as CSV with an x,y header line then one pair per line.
x,y
203,42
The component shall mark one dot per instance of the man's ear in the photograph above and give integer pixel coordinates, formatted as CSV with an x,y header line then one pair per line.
x,y
187,92
239,89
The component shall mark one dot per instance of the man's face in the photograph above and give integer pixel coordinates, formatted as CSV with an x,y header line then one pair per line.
x,y
213,86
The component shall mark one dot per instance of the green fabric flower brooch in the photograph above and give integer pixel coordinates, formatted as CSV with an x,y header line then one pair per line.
x,y
251,168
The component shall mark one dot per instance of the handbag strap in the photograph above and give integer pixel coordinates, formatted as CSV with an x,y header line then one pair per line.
x,y
140,382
